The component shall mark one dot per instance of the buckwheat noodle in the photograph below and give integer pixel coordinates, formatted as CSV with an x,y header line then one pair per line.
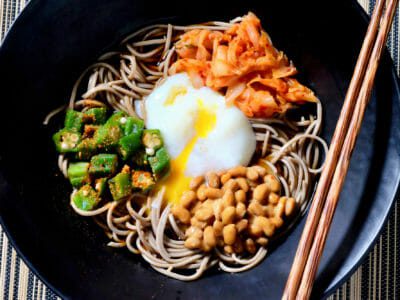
x,y
122,79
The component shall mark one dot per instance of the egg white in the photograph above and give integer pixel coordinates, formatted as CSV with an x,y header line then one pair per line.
x,y
229,143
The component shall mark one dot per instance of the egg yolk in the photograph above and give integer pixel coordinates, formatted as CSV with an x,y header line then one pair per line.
x,y
177,182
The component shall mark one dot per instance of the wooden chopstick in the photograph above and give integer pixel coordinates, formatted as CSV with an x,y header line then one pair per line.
x,y
314,257
317,204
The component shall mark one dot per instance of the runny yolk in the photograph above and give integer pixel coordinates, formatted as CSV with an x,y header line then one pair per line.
x,y
177,182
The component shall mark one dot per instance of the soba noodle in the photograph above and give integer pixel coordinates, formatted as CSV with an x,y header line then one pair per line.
x,y
122,79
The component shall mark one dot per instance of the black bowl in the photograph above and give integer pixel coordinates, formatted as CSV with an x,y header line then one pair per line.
x,y
53,41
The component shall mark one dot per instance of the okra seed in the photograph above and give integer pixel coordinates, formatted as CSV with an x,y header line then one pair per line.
x,y
149,151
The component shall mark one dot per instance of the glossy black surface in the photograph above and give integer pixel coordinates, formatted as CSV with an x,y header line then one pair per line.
x,y
53,41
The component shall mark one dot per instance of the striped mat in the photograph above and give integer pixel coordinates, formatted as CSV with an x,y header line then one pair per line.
x,y
375,279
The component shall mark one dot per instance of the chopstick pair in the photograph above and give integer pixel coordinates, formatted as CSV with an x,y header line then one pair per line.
x,y
305,265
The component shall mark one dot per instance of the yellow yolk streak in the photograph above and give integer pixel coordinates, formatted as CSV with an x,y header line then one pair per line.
x,y
175,92
177,182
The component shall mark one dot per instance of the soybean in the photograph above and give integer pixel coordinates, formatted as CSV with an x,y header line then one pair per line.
x,y
197,223
255,208
240,196
204,213
181,213
261,170
262,241
229,234
269,210
218,207
225,178
212,180
250,246
192,243
228,198
290,206
209,237
267,227
280,207
228,215
242,182
242,225
196,182
228,249
240,210
238,171
218,226
252,174
201,192
273,183
194,232
231,184
255,229
188,197
260,192
212,193
273,198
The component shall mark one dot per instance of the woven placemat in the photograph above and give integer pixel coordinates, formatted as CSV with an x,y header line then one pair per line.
x,y
377,278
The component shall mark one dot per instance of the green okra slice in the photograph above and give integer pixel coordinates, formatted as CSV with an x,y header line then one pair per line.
x,y
96,115
78,173
86,198
129,144
73,120
160,162
120,186
103,165
87,148
132,125
142,180
107,136
66,140
152,139
115,119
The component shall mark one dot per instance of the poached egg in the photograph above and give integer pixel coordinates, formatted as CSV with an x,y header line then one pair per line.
x,y
201,132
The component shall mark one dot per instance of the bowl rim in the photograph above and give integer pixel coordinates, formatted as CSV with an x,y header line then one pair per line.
x,y
31,5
